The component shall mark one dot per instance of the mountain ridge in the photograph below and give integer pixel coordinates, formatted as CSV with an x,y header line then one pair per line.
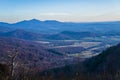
x,y
53,26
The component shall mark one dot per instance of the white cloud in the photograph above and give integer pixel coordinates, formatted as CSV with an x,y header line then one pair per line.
x,y
55,14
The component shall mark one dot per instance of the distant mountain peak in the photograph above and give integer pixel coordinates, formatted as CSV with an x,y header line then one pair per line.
x,y
51,21
32,20
35,20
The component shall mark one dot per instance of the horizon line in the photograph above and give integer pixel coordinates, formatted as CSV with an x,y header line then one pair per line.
x,y
59,21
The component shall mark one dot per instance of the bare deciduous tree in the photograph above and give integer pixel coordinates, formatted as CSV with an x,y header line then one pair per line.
x,y
13,63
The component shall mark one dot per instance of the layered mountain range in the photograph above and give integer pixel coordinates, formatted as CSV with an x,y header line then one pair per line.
x,y
54,26
51,29
64,50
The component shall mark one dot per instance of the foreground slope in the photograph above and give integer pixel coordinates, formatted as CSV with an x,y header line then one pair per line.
x,y
105,66
30,54
107,61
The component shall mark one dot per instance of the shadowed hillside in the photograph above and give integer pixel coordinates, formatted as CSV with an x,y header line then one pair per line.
x,y
105,66
22,34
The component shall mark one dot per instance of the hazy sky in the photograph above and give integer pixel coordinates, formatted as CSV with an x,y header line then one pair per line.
x,y
62,10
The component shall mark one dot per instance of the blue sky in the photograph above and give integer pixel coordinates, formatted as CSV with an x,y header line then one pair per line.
x,y
62,10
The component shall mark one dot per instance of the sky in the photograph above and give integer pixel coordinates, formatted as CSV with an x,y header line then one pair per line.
x,y
61,10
